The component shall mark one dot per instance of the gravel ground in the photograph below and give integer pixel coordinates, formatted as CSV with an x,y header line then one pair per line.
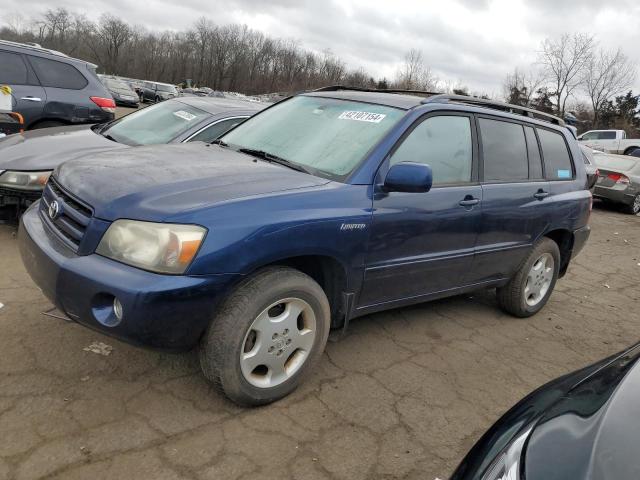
x,y
404,395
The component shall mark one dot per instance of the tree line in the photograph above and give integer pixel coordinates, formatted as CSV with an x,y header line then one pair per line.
x,y
222,57
572,72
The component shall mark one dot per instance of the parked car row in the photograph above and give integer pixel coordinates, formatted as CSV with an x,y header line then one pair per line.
x,y
27,159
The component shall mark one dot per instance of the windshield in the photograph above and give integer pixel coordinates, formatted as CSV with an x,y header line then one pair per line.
x,y
159,123
328,136
167,88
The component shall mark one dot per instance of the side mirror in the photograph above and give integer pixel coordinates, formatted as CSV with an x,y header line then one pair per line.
x,y
409,177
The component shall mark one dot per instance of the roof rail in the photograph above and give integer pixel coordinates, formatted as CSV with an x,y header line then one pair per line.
x,y
505,107
33,46
335,88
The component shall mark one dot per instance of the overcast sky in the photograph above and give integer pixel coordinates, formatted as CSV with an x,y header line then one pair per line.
x,y
473,42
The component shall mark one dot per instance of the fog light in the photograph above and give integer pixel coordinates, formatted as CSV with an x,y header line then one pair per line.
x,y
117,309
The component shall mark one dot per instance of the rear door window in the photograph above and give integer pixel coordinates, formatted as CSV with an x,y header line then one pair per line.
x,y
57,74
607,136
13,70
442,142
504,151
557,160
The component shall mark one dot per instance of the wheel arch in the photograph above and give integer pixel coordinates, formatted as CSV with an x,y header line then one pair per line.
x,y
630,149
564,239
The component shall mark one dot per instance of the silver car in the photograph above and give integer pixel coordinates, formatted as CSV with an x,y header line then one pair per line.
x,y
619,181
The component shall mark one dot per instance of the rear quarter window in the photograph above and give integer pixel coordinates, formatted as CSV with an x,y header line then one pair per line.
x,y
557,160
57,74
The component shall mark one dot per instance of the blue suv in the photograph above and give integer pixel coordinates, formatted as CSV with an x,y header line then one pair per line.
x,y
326,206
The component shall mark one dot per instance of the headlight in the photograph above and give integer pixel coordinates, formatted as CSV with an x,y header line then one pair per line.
x,y
507,464
24,180
159,247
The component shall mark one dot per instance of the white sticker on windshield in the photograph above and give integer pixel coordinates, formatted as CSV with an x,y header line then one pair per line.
x,y
184,115
362,116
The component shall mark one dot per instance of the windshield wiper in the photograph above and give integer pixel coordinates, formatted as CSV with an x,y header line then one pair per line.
x,y
109,137
270,157
220,142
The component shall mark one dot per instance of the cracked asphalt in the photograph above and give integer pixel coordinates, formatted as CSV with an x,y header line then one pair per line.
x,y
404,395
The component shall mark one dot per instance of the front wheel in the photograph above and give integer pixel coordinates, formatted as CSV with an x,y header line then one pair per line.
x,y
266,337
633,152
530,288
634,207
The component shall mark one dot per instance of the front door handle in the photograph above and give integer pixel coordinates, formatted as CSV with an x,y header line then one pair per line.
x,y
31,99
541,194
469,201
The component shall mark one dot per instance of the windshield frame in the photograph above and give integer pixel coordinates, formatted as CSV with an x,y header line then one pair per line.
x,y
323,173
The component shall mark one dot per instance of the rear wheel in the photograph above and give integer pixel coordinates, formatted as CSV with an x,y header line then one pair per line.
x,y
634,152
266,337
634,207
530,288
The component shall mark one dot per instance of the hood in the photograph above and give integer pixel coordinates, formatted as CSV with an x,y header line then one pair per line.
x,y
156,182
46,148
595,426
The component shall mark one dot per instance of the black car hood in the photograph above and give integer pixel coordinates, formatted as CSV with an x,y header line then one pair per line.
x,y
577,424
46,148
156,182
596,427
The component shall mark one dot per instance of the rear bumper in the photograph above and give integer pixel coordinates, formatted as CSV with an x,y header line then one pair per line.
x,y
624,196
161,311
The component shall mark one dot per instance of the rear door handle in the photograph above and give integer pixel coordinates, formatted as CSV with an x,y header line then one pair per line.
x,y
469,202
541,194
31,99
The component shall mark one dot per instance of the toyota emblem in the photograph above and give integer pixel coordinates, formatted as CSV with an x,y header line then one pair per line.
x,y
54,210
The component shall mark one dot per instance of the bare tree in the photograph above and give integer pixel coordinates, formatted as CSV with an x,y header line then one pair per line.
x,y
414,75
564,61
520,87
609,73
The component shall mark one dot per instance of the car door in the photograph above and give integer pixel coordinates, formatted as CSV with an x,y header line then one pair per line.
x,y
422,243
515,198
28,96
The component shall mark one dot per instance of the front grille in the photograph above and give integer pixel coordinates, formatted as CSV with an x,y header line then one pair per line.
x,y
72,217
22,194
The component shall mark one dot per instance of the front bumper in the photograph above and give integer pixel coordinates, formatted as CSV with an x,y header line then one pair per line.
x,y
162,311
20,198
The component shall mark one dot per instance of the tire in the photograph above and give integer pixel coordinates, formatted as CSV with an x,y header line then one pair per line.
x,y
633,208
513,298
237,331
48,124
141,97
157,99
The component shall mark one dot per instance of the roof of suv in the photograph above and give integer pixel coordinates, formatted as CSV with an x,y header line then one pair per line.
x,y
407,99
34,48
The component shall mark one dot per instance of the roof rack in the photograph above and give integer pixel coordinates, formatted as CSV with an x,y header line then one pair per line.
x,y
33,46
505,107
335,88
